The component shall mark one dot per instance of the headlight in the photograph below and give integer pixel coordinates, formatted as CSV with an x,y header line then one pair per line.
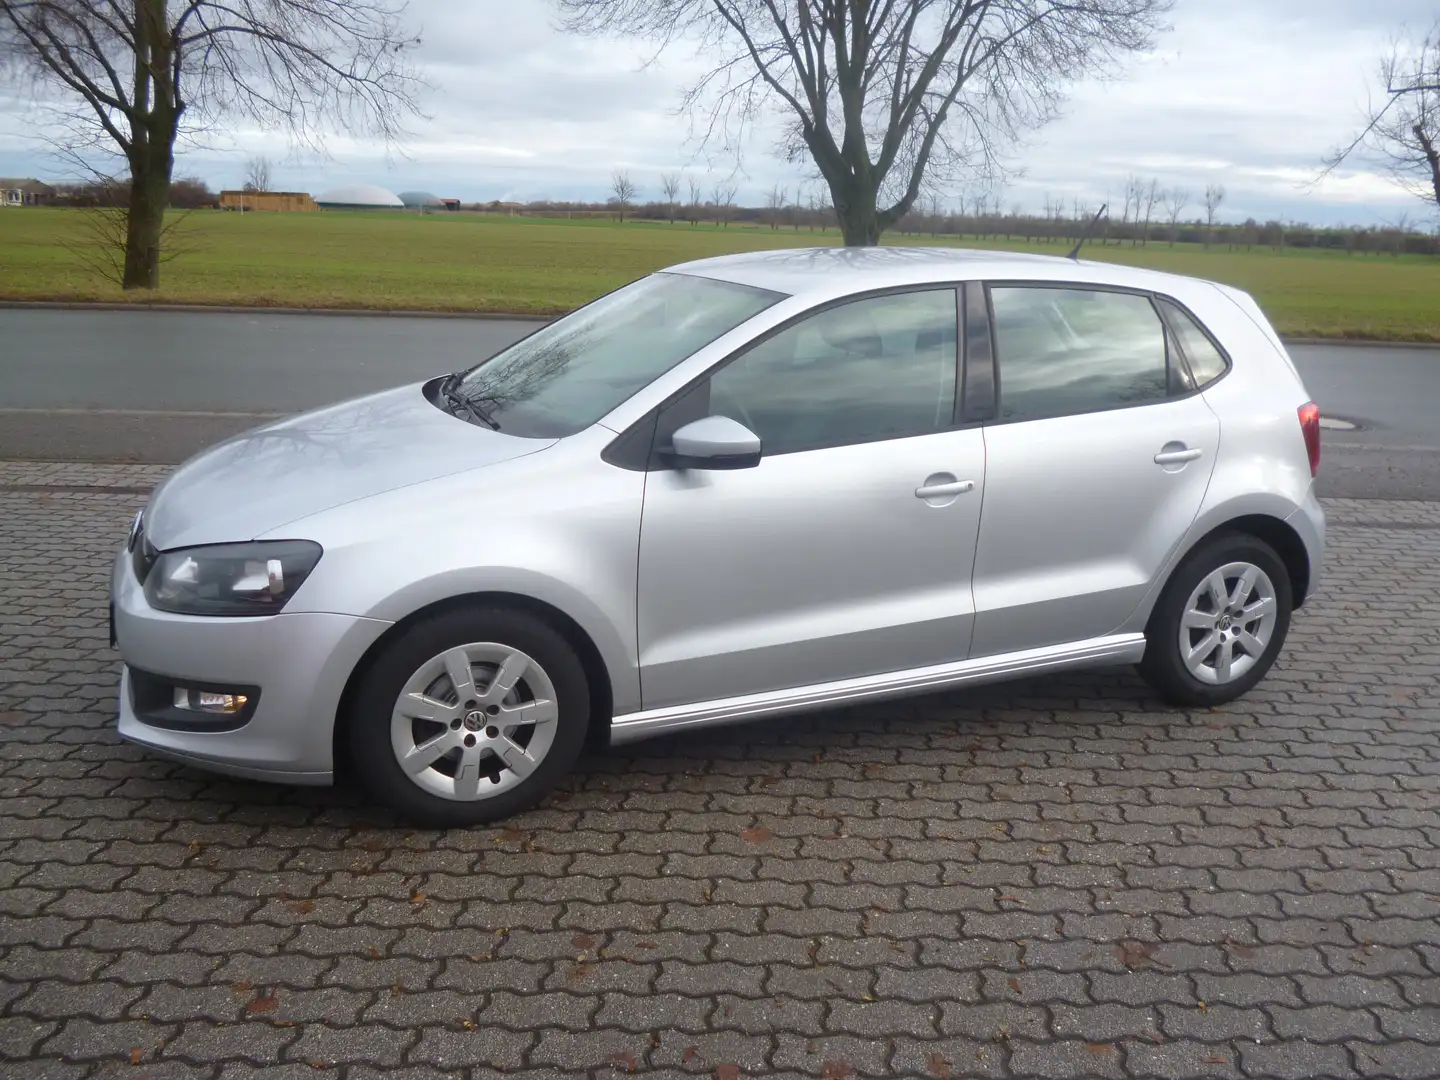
x,y
230,579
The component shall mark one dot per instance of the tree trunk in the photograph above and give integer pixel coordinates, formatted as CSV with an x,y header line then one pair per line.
x,y
149,194
154,121
1432,158
859,222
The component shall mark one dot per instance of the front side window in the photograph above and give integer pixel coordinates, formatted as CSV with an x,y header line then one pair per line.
x,y
565,377
878,368
1065,351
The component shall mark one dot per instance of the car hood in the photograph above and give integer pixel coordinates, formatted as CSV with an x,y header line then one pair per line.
x,y
263,479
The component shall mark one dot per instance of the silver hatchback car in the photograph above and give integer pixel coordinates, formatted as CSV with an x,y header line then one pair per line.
x,y
737,489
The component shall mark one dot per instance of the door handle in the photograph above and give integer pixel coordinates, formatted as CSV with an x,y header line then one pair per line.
x,y
939,491
1177,457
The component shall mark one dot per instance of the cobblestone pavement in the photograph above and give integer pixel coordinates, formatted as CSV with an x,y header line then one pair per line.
x,y
1054,878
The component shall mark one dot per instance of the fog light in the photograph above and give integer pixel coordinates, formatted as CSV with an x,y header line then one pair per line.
x,y
209,701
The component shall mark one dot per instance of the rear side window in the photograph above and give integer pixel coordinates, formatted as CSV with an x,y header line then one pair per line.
x,y
1207,362
1066,351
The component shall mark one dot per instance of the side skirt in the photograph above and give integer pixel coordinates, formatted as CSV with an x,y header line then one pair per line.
x,y
1094,652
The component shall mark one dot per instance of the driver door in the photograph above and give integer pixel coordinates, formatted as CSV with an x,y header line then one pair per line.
x,y
848,550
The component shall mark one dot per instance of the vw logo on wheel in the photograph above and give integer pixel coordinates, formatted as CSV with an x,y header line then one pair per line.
x,y
474,721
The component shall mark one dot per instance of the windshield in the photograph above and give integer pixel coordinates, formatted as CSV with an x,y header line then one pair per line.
x,y
563,378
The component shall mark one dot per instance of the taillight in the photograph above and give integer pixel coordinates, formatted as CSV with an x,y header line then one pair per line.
x,y
1310,426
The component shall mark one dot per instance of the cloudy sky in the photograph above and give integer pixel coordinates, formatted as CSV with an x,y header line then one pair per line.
x,y
1246,93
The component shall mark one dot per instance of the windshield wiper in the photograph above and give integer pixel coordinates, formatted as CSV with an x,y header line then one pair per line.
x,y
459,403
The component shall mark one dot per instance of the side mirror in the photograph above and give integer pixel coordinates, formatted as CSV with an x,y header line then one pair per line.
x,y
716,442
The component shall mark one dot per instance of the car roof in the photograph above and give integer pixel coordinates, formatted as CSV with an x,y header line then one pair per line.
x,y
824,273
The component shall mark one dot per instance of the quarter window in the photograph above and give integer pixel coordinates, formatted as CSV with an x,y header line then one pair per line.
x,y
878,368
1065,351
1207,362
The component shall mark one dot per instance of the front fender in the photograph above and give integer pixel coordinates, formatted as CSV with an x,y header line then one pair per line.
x,y
614,641
560,527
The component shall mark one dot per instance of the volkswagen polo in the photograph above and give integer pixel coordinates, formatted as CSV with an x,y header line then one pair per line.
x,y
733,490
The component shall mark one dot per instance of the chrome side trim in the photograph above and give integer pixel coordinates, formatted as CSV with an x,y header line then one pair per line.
x,y
1115,649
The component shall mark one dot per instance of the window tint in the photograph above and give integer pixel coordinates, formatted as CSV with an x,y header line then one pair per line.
x,y
1064,351
880,368
566,376
1207,363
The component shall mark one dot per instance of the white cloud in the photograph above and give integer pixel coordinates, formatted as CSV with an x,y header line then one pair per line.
x,y
1248,93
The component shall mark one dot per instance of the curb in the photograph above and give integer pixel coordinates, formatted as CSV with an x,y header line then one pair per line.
x,y
1369,343
500,316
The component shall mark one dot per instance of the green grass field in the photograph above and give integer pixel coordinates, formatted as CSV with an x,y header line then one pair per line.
x,y
472,262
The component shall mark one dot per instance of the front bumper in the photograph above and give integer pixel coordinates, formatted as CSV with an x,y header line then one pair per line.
x,y
300,663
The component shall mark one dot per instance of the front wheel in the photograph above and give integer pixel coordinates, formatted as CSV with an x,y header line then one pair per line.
x,y
1220,622
469,717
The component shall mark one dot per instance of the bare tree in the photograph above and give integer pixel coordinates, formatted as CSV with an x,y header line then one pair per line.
x,y
775,204
935,211
878,93
622,191
1174,201
670,184
695,197
817,208
724,198
257,174
1149,197
1214,196
1134,196
1053,208
142,72
1403,131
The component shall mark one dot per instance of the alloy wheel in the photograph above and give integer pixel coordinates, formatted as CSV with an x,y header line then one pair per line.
x,y
474,721
1228,623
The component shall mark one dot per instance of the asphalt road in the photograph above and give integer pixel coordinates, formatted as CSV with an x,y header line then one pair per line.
x,y
156,386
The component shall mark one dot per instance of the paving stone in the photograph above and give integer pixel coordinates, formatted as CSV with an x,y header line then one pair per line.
x,y
257,1041
82,1039
327,1045
452,1049
1399,1060
832,1055
1295,1060
1180,1060
1052,878
948,1057
21,1035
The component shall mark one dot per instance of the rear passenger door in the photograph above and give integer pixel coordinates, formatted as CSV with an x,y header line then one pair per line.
x,y
1098,456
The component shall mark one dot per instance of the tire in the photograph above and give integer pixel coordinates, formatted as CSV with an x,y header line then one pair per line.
x,y
497,748
1191,605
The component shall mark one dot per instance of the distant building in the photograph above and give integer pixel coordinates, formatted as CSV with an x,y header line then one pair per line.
x,y
359,197
451,204
420,200
21,192
276,201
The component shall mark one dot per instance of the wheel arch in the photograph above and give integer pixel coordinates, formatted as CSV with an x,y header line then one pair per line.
x,y
1258,521
597,675
1276,532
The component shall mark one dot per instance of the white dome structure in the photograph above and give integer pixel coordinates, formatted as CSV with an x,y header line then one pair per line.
x,y
419,200
359,197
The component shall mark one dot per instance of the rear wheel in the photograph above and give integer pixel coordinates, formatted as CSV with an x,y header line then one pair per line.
x,y
469,717
1220,622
